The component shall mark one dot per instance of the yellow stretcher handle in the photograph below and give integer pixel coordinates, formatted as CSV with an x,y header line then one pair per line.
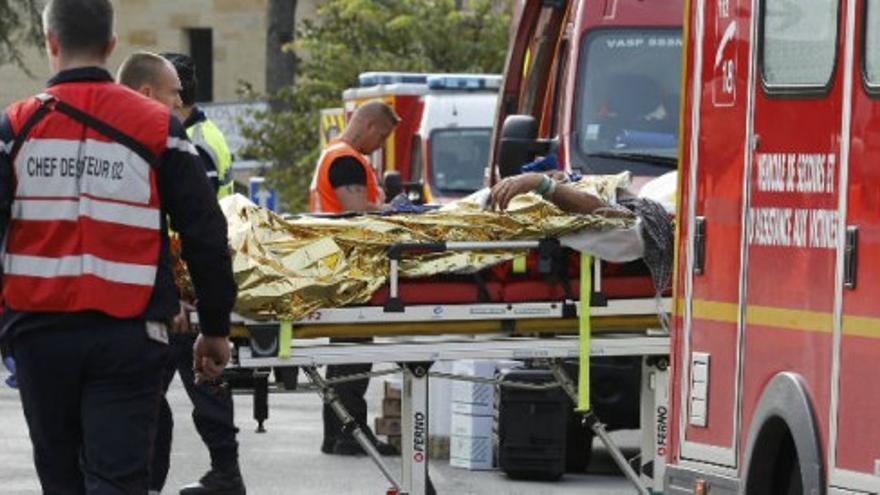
x,y
585,333
285,337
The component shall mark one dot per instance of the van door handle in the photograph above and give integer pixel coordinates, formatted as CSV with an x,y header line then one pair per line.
x,y
699,245
850,257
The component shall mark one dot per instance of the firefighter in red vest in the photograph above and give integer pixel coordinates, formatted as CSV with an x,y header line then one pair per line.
x,y
345,181
89,173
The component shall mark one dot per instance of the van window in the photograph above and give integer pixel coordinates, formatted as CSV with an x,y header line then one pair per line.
x,y
459,158
799,43
629,84
872,43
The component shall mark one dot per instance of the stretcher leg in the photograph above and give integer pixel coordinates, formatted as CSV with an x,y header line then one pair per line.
x,y
592,421
261,399
414,429
349,425
654,421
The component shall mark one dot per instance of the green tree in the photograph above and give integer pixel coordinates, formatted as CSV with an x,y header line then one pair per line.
x,y
20,28
349,37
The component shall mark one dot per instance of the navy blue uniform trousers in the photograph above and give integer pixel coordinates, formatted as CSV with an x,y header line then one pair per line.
x,y
213,414
351,394
91,400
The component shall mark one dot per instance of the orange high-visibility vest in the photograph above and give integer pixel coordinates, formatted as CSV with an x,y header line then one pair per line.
x,y
322,197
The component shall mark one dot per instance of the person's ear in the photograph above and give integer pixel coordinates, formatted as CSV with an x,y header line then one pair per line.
x,y
53,46
146,90
110,47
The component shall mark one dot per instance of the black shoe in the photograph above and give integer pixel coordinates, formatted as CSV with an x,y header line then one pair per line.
x,y
327,445
217,482
386,449
347,448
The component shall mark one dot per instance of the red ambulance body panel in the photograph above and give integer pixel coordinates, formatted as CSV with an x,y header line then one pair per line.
x,y
776,326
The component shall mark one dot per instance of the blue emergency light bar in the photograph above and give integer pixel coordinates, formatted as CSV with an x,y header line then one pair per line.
x,y
433,81
464,81
375,78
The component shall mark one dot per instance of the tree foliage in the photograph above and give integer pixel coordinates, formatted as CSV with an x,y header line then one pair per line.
x,y
349,37
20,28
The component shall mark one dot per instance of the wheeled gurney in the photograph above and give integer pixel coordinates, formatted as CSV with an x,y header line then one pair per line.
x,y
529,315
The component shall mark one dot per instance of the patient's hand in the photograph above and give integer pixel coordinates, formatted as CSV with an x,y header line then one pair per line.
x,y
503,192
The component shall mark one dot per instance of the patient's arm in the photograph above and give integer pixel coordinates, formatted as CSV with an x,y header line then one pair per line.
x,y
564,196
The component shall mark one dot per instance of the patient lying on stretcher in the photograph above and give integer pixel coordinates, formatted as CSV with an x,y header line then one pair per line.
x,y
657,231
289,268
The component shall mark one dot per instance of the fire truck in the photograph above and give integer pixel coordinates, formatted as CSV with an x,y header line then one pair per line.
x,y
596,83
442,143
776,327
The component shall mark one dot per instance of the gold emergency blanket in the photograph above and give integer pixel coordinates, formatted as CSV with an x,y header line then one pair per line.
x,y
286,269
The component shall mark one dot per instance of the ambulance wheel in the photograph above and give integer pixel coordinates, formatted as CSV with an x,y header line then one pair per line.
x,y
784,455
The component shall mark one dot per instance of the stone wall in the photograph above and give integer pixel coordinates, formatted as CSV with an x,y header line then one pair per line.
x,y
239,28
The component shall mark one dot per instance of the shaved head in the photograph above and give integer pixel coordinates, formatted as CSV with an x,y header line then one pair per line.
x,y
141,68
376,112
152,76
370,126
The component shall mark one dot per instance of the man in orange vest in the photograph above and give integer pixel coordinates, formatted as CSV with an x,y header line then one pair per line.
x,y
91,173
345,181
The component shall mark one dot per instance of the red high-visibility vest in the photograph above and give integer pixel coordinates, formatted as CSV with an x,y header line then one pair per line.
x,y
85,222
322,197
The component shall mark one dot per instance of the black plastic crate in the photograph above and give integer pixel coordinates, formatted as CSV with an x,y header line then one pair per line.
x,y
532,428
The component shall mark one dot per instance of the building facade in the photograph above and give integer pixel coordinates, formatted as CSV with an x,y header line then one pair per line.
x,y
227,38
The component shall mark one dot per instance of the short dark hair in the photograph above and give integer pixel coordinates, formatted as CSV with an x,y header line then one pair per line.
x,y
186,72
83,27
140,68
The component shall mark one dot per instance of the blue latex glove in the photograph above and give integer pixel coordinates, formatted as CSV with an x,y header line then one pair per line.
x,y
9,363
402,204
549,162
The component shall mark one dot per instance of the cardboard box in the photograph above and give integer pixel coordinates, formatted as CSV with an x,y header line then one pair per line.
x,y
438,448
392,389
466,425
474,367
471,453
388,426
391,408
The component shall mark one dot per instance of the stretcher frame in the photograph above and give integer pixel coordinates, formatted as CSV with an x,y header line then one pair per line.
x,y
415,356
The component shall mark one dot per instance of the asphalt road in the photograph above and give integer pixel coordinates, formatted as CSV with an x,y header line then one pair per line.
x,y
286,459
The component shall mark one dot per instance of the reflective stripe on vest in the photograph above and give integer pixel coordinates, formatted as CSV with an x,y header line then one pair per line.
x,y
85,221
208,136
322,197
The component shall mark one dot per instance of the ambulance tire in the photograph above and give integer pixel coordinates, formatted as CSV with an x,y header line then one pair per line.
x,y
783,454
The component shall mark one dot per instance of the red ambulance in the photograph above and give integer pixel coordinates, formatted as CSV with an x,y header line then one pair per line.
x,y
776,338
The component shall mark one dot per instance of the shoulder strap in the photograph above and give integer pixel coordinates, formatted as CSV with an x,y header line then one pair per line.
x,y
49,103
29,124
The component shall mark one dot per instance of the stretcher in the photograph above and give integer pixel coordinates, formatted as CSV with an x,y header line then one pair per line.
x,y
414,323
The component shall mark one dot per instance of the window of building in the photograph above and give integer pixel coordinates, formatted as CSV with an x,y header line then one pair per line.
x,y
872,44
201,49
799,43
